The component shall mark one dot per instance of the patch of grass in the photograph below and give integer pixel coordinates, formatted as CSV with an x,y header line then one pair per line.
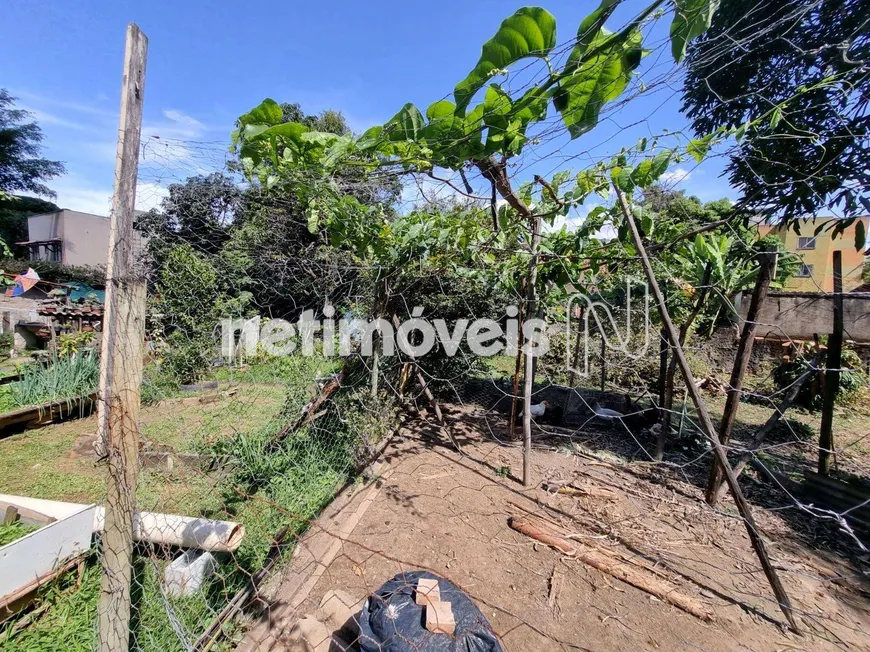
x,y
7,399
68,622
264,492
14,531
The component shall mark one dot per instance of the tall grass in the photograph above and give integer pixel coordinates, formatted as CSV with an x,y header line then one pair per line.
x,y
59,378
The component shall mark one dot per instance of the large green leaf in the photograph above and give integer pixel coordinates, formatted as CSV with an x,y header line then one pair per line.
x,y
268,112
531,31
597,79
691,19
406,124
590,28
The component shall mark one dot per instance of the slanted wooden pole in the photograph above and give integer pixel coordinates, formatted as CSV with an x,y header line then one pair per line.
x,y
832,372
767,263
705,420
773,419
121,362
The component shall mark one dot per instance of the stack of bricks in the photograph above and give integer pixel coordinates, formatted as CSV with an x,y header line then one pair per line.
x,y
439,615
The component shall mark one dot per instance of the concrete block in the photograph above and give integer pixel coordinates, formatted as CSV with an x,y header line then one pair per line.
x,y
339,612
188,572
439,618
427,592
308,635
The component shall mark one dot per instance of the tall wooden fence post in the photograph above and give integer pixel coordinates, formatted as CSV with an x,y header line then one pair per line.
x,y
121,361
529,374
767,264
706,422
832,371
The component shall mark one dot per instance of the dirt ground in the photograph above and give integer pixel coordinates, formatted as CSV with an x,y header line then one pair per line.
x,y
432,509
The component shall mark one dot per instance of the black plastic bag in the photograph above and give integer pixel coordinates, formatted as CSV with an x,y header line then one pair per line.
x,y
392,622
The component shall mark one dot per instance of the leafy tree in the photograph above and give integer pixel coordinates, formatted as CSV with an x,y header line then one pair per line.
x,y
21,168
809,57
198,212
14,212
329,121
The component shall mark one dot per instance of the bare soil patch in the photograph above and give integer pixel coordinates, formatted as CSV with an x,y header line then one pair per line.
x,y
436,510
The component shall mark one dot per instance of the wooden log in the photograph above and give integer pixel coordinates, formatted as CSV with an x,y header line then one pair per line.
x,y
600,559
121,360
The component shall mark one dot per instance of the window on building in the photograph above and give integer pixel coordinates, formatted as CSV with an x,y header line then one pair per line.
x,y
806,271
807,242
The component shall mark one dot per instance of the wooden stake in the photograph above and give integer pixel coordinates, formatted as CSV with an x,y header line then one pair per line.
x,y
529,379
774,418
433,402
767,264
518,366
121,361
670,374
832,371
707,422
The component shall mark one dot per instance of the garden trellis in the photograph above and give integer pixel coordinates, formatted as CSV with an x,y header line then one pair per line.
x,y
457,209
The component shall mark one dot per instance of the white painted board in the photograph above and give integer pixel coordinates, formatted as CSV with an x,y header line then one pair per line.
x,y
33,556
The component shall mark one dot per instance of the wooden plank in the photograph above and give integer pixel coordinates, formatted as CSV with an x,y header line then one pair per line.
x,y
47,412
25,515
121,361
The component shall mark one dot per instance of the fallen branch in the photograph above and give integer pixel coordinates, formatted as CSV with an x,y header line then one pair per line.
x,y
310,411
602,560
570,489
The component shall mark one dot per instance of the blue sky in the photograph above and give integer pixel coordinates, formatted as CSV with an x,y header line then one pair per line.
x,y
208,62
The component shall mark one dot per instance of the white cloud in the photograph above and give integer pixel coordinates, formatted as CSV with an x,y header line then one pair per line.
x,y
46,118
98,201
675,176
149,195
174,115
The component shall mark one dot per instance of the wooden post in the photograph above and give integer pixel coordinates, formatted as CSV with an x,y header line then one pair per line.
x,y
603,356
767,264
121,361
773,419
705,420
529,379
518,365
832,371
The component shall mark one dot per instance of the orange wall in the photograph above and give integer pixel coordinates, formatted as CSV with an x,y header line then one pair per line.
x,y
822,257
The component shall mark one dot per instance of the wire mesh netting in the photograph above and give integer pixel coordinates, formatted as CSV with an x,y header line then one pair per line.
x,y
333,368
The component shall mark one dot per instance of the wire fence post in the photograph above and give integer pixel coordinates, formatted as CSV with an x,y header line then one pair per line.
x,y
767,264
121,361
832,371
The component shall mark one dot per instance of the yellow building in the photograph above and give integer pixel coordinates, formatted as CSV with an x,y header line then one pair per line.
x,y
817,253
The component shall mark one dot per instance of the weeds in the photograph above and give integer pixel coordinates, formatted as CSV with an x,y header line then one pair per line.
x,y
59,378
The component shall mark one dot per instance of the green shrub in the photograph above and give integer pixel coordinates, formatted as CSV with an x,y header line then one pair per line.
x,y
852,380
